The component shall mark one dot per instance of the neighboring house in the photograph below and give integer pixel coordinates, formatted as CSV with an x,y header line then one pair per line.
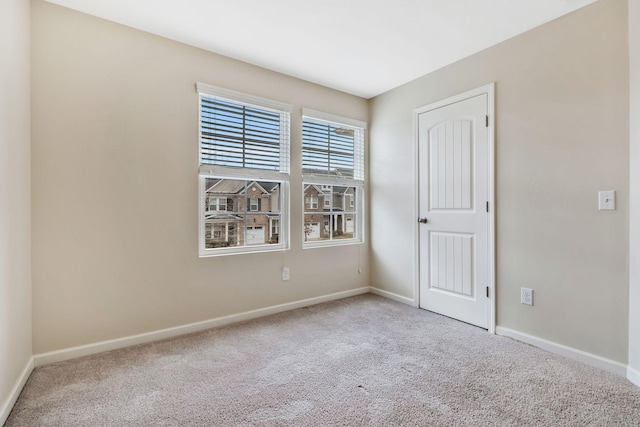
x,y
329,212
231,205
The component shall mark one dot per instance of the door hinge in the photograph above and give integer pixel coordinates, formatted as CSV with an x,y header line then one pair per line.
x,y
487,206
486,120
487,292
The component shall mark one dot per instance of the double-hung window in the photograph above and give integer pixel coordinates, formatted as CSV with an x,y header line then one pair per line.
x,y
218,204
334,172
244,172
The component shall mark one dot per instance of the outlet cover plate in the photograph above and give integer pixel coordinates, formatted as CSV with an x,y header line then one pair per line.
x,y
526,296
607,200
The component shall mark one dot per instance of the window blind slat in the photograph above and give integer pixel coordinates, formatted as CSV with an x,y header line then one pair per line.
x,y
243,136
331,149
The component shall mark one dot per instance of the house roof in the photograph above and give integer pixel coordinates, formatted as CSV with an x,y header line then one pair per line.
x,y
227,186
236,186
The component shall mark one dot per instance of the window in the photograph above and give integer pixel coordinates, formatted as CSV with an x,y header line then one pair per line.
x,y
327,196
332,166
312,202
218,204
244,172
219,232
274,229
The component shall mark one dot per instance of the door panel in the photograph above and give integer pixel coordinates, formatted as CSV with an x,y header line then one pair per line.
x,y
451,262
453,190
450,165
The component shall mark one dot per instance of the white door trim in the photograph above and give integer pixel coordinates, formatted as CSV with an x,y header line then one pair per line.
x,y
489,90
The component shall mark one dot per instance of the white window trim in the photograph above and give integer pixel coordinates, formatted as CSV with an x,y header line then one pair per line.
x,y
283,236
241,98
282,176
331,118
359,212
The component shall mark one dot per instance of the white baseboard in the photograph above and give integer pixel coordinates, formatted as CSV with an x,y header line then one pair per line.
x,y
99,347
392,296
633,376
7,405
568,352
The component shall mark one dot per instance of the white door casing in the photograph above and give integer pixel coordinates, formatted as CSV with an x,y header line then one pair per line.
x,y
455,179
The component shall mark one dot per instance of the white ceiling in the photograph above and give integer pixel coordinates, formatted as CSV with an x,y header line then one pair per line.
x,y
363,47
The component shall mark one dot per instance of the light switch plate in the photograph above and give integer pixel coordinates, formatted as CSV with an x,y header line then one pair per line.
x,y
607,200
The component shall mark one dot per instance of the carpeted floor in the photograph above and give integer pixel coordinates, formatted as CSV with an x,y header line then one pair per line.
x,y
362,361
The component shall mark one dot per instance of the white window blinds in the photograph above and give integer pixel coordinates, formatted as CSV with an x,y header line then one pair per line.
x,y
238,134
332,148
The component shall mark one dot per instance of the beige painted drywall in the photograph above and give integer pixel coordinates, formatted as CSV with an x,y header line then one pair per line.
x,y
634,190
15,196
115,162
561,136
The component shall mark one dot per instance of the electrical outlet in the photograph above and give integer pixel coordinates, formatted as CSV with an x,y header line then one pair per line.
x,y
285,273
526,296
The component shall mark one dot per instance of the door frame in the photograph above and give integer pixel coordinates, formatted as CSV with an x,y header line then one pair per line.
x,y
489,90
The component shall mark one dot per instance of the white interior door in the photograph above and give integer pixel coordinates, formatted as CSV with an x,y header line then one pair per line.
x,y
454,221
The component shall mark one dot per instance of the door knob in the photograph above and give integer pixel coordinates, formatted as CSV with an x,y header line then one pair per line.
x,y
423,220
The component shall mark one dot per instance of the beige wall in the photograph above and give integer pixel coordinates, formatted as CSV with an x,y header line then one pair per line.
x,y
562,135
15,275
634,210
115,161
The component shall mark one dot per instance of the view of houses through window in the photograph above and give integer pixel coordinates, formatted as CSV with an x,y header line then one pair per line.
x,y
244,175
241,212
329,212
333,178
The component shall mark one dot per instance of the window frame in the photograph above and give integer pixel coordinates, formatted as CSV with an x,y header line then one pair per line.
x,y
327,200
217,204
322,180
280,176
312,202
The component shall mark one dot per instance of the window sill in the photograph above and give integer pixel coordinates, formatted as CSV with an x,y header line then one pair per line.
x,y
330,243
208,253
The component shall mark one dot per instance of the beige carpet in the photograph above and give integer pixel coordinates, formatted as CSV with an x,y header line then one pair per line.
x,y
362,361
